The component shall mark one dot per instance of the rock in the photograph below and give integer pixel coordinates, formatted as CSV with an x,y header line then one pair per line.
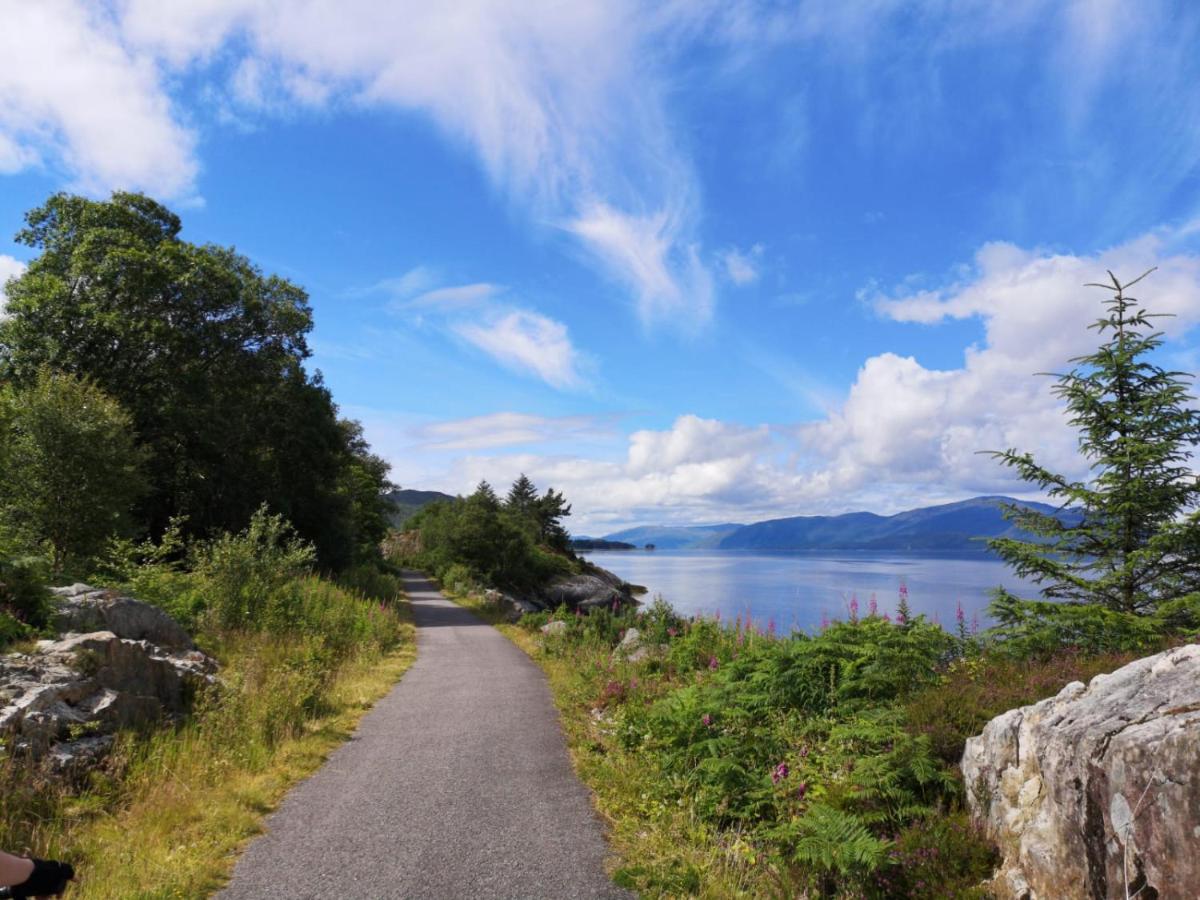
x,y
88,686
1095,792
631,640
81,608
555,628
587,592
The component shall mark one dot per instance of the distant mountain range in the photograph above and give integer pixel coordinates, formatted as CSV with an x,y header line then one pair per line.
x,y
666,537
949,527
407,502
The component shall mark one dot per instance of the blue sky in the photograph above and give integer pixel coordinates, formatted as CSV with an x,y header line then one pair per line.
x,y
688,261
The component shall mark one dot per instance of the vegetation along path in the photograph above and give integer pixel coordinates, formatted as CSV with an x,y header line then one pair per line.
x,y
457,784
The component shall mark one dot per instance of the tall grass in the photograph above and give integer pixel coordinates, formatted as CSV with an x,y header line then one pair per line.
x,y
302,658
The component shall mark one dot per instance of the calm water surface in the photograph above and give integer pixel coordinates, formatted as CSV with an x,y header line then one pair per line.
x,y
797,589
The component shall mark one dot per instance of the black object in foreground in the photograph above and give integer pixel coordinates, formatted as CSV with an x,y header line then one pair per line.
x,y
49,879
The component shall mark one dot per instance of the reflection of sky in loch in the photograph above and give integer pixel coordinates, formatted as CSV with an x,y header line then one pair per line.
x,y
796,589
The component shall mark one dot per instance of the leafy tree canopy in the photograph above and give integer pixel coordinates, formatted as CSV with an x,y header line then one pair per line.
x,y
72,471
206,353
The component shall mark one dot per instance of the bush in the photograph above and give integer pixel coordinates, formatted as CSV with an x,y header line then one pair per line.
x,y
974,691
244,572
24,598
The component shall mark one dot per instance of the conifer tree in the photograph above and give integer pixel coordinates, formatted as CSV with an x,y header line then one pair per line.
x,y
1128,538
522,496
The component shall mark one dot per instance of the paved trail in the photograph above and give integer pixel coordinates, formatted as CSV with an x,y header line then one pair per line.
x,y
456,785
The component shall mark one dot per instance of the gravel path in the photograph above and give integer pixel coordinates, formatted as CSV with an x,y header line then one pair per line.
x,y
456,785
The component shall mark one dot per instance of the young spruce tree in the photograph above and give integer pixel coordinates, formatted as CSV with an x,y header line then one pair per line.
x,y
1129,538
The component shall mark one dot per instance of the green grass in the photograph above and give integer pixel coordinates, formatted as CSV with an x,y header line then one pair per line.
x,y
172,808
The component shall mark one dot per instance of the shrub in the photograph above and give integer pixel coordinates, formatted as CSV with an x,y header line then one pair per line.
x,y
974,691
24,598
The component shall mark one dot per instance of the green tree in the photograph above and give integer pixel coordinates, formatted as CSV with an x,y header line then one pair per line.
x,y
73,470
205,352
522,496
1129,535
552,508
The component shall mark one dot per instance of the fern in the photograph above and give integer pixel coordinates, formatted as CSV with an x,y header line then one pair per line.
x,y
833,841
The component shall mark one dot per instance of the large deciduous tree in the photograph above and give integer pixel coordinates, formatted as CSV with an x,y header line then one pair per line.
x,y
1131,542
206,353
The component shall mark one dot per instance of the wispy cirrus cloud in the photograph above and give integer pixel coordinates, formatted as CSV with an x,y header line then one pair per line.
x,y
455,297
527,342
506,429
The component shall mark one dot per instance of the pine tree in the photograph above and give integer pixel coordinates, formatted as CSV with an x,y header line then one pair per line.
x,y
552,508
1128,537
522,496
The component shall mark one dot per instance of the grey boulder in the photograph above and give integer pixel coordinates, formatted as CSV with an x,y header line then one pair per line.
x,y
1095,792
81,608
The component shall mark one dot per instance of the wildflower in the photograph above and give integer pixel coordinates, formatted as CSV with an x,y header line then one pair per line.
x,y
713,663
671,632
824,621
706,720
873,608
802,790
780,773
887,618
771,627
853,607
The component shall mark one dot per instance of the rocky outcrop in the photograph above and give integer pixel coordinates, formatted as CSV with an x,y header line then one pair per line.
x,y
1095,793
81,608
512,606
594,589
62,703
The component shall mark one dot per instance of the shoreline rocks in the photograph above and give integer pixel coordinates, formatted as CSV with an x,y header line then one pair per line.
x,y
1095,792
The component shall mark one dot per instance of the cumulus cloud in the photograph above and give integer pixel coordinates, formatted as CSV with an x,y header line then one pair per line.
x,y
905,434
912,424
9,268
72,95
528,342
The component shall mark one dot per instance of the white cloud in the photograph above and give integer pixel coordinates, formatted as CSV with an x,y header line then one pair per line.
x,y
504,429
73,95
527,342
905,434
563,104
743,267
455,297
9,268
908,424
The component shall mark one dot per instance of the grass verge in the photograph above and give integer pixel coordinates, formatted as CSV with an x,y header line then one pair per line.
x,y
172,809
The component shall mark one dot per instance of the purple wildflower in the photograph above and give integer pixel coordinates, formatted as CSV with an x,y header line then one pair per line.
x,y
824,620
853,607
873,608
780,773
713,663
706,720
802,790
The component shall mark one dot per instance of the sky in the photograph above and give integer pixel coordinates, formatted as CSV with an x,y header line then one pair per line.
x,y
688,262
